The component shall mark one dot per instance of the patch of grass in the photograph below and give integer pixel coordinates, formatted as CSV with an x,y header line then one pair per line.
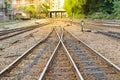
x,y
1,22
1,53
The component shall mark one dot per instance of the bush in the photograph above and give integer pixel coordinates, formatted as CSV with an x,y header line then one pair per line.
x,y
79,16
99,15
117,16
29,9
117,9
17,17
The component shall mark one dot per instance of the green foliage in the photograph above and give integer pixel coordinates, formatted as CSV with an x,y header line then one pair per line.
x,y
117,9
17,16
29,9
93,6
5,1
118,16
74,8
89,8
22,8
45,9
107,9
99,15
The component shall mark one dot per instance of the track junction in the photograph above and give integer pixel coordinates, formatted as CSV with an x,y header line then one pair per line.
x,y
61,56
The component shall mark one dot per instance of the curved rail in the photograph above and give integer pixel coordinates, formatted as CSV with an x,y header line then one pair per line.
x,y
23,55
50,59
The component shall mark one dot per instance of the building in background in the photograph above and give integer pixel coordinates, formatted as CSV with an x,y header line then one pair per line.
x,y
15,4
46,1
56,4
56,8
13,7
3,11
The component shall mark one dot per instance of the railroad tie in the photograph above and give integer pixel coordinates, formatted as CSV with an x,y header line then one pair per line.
x,y
100,72
93,67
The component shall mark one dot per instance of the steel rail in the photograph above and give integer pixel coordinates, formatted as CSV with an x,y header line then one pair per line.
x,y
71,59
48,63
96,52
22,31
57,33
24,54
51,58
4,32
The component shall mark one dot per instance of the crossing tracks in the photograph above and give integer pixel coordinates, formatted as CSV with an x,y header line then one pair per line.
x,y
61,56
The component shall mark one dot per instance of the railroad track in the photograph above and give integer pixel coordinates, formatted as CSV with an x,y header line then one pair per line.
x,y
110,34
4,32
12,32
59,30
66,58
30,64
60,65
91,64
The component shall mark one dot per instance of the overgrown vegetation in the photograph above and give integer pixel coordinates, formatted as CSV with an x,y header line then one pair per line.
x,y
29,9
75,8
107,9
117,8
32,11
45,9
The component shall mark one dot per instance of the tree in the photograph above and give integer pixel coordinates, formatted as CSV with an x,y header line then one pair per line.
x,y
75,7
29,9
117,8
98,8
108,6
45,9
93,8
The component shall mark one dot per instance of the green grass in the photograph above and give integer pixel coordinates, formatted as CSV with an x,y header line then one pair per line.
x,y
3,22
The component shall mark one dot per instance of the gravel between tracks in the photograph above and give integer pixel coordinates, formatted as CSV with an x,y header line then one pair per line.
x,y
107,46
32,65
60,68
81,54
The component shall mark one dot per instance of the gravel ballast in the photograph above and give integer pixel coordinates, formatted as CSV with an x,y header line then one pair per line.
x,y
107,46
